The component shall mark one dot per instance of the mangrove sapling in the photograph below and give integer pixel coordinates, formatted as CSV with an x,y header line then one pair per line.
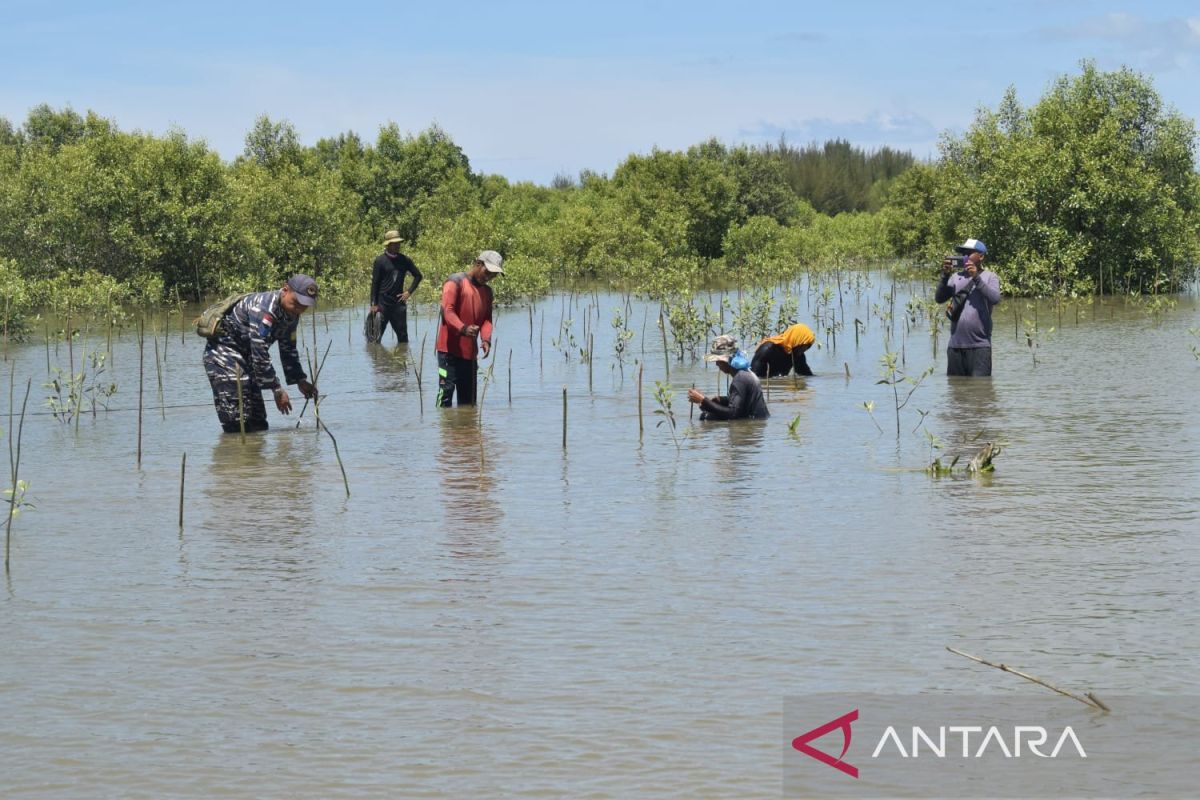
x,y
315,371
794,427
662,395
621,338
869,407
893,376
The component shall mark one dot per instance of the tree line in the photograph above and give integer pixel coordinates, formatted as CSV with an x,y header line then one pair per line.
x,y
1091,189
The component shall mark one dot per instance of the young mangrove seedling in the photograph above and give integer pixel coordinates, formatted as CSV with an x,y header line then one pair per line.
x,y
662,396
893,376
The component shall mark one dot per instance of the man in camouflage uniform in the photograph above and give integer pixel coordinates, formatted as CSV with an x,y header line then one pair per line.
x,y
240,348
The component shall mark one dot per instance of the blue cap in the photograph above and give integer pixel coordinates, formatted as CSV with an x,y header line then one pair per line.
x,y
972,246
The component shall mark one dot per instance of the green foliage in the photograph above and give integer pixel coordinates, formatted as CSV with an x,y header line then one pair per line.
x,y
837,177
1092,189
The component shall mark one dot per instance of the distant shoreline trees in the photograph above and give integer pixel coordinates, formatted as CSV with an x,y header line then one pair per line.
x,y
1092,189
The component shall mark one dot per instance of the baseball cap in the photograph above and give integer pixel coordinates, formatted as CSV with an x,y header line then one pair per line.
x,y
305,289
492,261
723,348
392,236
972,246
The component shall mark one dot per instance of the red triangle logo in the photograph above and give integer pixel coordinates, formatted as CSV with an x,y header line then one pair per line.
x,y
801,743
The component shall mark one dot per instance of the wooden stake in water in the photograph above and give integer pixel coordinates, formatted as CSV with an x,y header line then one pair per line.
x,y
141,384
641,423
182,475
564,418
16,469
162,410
418,369
510,373
662,326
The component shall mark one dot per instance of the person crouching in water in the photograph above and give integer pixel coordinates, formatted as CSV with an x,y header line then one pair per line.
x,y
239,355
745,400
779,355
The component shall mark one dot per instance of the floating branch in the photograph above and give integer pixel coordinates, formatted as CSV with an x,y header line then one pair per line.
x,y
1089,700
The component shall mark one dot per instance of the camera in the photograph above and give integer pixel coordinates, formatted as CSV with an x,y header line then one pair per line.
x,y
954,262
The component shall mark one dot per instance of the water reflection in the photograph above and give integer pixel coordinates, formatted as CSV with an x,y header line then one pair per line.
x,y
390,366
970,416
261,500
468,466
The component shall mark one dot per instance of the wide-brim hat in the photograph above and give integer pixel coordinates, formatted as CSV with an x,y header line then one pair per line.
x,y
723,348
392,237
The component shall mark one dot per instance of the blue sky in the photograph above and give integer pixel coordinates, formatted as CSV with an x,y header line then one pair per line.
x,y
531,89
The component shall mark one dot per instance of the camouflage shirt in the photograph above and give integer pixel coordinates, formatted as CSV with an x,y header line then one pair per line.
x,y
251,326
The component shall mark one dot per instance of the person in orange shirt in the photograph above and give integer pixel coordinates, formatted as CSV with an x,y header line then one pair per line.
x,y
466,317
780,354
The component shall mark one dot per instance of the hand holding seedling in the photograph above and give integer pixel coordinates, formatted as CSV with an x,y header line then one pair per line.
x,y
695,396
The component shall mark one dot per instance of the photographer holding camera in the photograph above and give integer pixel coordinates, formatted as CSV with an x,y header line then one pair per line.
x,y
969,294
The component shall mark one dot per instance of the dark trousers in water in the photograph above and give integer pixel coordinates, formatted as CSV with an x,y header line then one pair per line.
x,y
456,374
771,360
396,315
221,365
974,362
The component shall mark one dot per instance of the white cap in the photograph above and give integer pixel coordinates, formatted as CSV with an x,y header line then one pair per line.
x,y
492,261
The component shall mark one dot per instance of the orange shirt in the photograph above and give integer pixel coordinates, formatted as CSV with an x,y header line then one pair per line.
x,y
464,303
799,335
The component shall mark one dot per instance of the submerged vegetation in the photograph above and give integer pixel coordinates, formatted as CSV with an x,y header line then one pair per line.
x,y
1090,190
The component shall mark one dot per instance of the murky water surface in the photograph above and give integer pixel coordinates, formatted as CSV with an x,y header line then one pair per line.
x,y
491,615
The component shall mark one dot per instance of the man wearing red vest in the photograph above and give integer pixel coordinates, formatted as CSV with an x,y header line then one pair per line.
x,y
466,317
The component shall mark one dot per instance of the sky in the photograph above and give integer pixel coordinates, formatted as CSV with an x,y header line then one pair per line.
x,y
531,90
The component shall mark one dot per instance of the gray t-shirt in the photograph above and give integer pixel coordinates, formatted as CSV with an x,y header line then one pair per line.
x,y
745,399
973,328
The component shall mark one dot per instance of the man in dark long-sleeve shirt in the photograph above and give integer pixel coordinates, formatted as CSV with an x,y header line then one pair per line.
x,y
388,295
745,400
970,296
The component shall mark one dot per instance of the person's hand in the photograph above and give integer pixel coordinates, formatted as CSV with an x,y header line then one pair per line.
x,y
695,396
282,401
403,297
307,389
471,330
972,269
374,309
486,346
947,266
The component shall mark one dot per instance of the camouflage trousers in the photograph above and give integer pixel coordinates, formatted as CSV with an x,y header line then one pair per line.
x,y
222,364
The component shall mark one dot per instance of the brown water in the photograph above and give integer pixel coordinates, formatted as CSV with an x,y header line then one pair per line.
x,y
490,615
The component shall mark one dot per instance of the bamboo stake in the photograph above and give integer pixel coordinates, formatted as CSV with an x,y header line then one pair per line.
x,y
641,423
510,372
158,370
564,443
1090,700
16,467
141,384
182,475
418,368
